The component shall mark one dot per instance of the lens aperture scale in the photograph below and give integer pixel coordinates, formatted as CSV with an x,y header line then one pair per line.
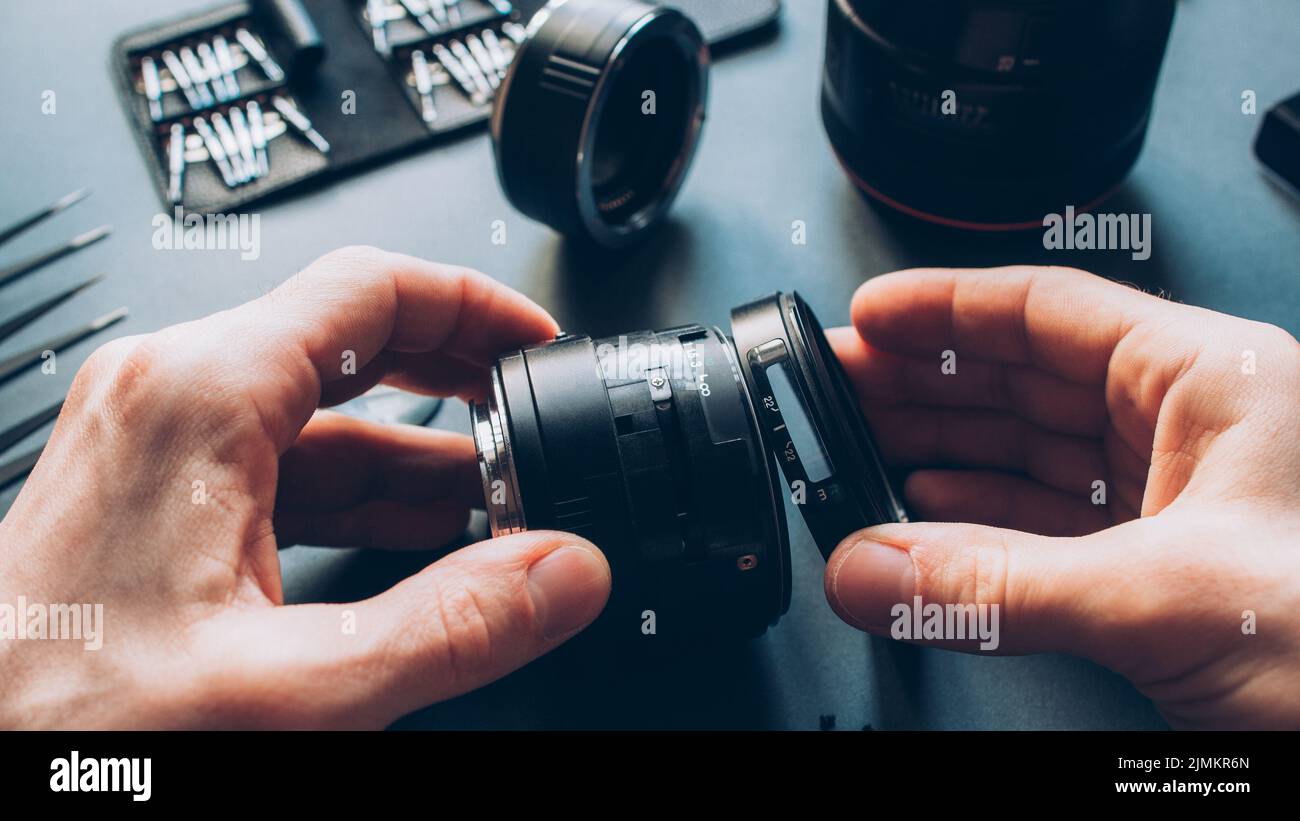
x,y
810,421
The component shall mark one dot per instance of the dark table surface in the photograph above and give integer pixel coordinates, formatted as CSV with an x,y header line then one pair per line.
x,y
1224,238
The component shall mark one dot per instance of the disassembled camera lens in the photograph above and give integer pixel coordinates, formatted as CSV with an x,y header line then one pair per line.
x,y
597,121
659,447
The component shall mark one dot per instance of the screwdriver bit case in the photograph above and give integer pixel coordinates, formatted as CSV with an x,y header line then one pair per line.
x,y
364,103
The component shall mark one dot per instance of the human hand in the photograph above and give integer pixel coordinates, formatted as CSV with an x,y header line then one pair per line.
x,y
1187,579
157,498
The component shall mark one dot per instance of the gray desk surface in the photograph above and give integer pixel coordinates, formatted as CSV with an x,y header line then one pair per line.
x,y
1223,238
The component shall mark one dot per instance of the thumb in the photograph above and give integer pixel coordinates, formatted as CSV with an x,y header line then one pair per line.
x,y
464,621
1041,594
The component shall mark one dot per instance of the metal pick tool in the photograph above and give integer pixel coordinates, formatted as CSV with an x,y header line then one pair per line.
x,y
377,13
423,85
215,151
46,257
231,146
13,364
18,467
62,203
419,11
216,77
182,78
259,54
227,63
471,68
26,427
300,122
257,130
42,307
458,73
484,60
176,163
244,138
152,88
198,76
499,57
438,8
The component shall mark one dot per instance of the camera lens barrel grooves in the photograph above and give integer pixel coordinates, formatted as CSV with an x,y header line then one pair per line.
x,y
646,444
575,148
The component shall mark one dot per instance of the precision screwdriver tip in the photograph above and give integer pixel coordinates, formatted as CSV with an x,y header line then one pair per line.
x,y
109,318
92,235
76,289
71,199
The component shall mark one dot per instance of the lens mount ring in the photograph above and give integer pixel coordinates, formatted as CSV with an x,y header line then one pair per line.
x,y
496,462
574,142
843,487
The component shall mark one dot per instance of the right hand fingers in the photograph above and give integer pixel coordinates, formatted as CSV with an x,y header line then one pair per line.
x,y
459,624
1069,354
1050,594
1037,342
1061,321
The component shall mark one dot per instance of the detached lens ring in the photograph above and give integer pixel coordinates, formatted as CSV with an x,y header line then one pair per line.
x,y
571,117
773,333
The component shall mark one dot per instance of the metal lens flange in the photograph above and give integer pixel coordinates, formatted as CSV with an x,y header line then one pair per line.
x,y
496,462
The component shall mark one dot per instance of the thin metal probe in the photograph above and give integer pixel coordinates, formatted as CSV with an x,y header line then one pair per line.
x,y
30,264
19,361
62,203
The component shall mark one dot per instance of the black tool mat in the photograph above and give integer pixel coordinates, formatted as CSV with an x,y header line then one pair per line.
x,y
383,119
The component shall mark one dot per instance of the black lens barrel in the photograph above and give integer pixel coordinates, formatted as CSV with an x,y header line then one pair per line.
x,y
662,448
646,445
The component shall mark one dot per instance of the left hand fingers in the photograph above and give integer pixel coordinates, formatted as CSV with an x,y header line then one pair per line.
x,y
352,482
464,621
325,326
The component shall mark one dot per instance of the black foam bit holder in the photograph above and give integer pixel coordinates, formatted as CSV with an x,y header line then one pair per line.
x,y
363,103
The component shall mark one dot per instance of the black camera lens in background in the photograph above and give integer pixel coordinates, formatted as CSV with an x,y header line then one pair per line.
x,y
990,114
811,421
597,121
659,447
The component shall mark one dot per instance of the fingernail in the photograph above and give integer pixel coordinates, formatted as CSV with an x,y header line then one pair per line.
x,y
870,580
568,586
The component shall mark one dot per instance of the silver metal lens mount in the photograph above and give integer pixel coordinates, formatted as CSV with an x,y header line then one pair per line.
x,y
496,462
